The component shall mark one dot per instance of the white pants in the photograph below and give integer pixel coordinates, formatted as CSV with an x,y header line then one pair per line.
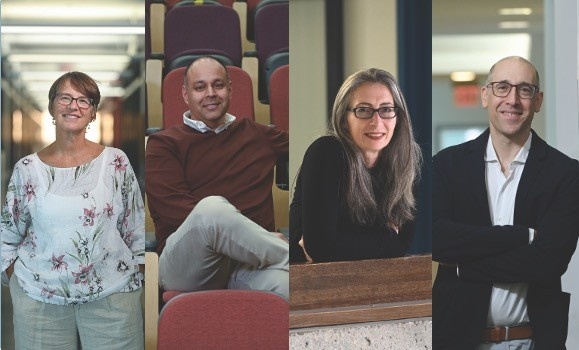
x,y
217,247
521,344
114,322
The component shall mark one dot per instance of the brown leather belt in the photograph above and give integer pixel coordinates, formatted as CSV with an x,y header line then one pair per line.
x,y
500,334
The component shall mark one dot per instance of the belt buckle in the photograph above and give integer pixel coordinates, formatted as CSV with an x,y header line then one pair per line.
x,y
497,334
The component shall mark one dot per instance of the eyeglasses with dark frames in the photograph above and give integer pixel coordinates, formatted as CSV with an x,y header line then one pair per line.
x,y
524,90
66,100
368,112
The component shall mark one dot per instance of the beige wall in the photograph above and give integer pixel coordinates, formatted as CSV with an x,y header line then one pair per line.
x,y
370,35
307,77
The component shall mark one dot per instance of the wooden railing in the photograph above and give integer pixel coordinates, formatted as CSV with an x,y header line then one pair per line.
x,y
360,291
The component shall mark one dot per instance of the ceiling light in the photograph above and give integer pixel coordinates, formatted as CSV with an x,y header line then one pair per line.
x,y
53,75
518,11
112,91
462,76
72,30
514,25
33,58
476,53
13,41
20,10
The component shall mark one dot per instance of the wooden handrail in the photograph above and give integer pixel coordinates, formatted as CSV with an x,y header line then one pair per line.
x,y
360,291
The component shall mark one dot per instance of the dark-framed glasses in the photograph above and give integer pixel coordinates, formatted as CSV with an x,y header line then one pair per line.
x,y
502,89
368,112
66,100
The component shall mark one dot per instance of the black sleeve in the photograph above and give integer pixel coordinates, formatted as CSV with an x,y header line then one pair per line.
x,y
322,207
551,251
461,229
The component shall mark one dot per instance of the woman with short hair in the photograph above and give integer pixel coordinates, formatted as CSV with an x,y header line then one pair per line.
x,y
72,235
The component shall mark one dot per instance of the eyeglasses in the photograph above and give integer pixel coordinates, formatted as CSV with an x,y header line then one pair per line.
x,y
502,89
368,112
66,100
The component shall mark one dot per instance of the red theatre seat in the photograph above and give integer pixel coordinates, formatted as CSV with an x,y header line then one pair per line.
x,y
225,319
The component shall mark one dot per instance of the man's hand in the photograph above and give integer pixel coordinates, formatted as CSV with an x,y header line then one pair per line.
x,y
307,256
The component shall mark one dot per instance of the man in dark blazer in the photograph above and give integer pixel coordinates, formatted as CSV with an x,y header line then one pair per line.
x,y
505,225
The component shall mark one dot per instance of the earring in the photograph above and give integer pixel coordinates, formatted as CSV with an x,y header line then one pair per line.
x,y
88,126
53,121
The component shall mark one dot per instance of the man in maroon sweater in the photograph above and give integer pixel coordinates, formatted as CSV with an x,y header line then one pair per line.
x,y
208,184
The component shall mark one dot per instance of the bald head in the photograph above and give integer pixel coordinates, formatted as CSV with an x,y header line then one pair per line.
x,y
514,59
203,62
207,91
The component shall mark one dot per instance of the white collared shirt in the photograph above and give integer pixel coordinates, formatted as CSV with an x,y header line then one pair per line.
x,y
202,127
508,300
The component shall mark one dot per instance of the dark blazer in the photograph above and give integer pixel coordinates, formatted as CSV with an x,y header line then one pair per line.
x,y
547,200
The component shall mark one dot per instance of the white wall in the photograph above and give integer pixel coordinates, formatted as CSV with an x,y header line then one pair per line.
x,y
1,166
562,64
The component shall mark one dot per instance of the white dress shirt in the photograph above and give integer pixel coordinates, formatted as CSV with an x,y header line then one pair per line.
x,y
508,300
202,127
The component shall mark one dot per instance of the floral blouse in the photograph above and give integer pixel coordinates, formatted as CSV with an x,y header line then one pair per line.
x,y
78,233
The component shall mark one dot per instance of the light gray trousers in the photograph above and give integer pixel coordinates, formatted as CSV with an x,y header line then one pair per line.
x,y
217,247
114,322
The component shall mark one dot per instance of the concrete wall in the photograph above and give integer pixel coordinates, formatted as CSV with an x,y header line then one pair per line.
x,y
393,335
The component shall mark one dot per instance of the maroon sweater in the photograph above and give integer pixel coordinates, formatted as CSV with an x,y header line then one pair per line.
x,y
183,166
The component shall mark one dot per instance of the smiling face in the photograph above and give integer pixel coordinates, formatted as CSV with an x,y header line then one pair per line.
x,y
373,134
207,92
510,117
72,117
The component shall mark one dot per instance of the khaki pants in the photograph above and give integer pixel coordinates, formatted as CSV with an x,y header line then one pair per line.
x,y
217,247
114,322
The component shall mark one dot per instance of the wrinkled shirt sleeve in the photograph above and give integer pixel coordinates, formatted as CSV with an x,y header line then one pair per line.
x,y
131,221
15,218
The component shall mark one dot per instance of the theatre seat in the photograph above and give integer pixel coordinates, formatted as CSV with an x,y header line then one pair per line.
x,y
224,319
172,3
279,98
271,37
212,27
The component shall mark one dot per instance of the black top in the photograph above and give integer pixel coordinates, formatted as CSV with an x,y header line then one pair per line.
x,y
318,214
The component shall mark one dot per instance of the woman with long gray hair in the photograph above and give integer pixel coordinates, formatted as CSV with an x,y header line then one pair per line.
x,y
354,195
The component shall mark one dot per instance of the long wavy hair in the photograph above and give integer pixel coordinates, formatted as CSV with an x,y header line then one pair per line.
x,y
397,168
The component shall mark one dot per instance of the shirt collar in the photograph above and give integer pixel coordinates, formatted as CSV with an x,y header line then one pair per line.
x,y
521,157
202,127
